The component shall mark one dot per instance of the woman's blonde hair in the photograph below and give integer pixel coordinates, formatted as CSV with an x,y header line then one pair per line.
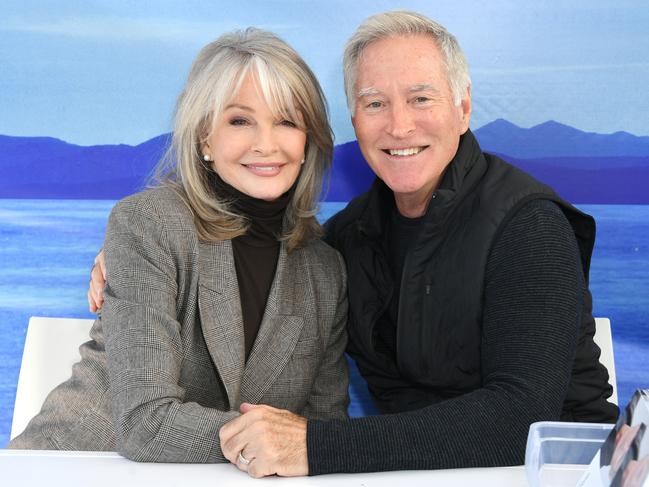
x,y
289,88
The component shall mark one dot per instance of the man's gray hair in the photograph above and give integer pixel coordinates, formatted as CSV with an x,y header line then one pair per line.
x,y
404,23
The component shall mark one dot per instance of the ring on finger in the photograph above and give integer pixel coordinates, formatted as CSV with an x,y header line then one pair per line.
x,y
243,460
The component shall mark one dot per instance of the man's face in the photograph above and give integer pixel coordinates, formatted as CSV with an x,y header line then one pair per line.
x,y
407,125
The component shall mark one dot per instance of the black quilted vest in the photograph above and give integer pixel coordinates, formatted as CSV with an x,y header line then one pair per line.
x,y
438,348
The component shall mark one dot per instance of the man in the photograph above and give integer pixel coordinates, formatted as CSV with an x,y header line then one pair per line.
x,y
470,316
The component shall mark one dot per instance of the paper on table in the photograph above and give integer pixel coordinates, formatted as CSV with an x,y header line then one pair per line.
x,y
623,459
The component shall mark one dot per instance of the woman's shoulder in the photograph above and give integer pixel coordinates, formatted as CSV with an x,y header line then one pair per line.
x,y
162,203
318,252
320,249
155,221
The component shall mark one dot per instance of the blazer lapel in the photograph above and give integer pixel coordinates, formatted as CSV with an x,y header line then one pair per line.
x,y
280,327
221,319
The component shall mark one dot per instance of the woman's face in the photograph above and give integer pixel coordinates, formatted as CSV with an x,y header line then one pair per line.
x,y
252,150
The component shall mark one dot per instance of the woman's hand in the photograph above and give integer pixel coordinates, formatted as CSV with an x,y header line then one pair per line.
x,y
97,283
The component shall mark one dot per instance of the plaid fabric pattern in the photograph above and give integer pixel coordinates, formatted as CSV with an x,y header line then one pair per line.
x,y
165,367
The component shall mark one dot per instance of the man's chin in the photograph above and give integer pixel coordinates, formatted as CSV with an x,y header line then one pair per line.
x,y
399,186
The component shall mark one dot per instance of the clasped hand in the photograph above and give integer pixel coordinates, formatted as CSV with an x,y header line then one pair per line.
x,y
270,441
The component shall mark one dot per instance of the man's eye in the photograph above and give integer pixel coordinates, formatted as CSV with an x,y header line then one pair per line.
x,y
374,104
421,99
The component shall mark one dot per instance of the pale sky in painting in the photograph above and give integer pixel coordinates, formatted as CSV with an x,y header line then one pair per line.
x,y
99,72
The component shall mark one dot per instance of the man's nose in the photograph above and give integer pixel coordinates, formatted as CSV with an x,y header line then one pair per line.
x,y
402,123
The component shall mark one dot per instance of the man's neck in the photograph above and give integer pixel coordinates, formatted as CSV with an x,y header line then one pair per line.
x,y
413,205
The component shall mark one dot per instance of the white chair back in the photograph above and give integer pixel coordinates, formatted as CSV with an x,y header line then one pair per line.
x,y
51,348
604,340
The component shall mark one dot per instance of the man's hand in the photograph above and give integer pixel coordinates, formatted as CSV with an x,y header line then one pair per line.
x,y
272,441
97,283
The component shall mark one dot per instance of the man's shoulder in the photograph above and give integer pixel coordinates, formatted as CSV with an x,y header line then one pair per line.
x,y
511,183
345,219
505,172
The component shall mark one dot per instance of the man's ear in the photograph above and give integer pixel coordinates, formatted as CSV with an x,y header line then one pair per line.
x,y
465,111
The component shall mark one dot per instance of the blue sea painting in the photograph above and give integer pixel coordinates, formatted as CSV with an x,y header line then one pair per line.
x,y
87,100
48,246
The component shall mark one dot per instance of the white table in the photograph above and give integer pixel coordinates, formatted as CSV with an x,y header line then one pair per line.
x,y
98,469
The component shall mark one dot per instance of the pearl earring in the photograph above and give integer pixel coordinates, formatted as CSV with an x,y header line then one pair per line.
x,y
302,161
206,157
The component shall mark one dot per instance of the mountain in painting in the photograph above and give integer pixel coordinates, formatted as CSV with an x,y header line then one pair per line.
x,y
553,139
44,167
583,167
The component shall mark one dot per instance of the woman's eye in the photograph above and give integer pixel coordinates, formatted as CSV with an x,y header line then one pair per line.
x,y
288,123
238,121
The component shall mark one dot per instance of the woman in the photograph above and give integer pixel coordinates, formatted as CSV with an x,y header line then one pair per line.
x,y
218,289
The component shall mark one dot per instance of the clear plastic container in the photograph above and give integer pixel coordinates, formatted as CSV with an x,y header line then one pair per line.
x,y
557,454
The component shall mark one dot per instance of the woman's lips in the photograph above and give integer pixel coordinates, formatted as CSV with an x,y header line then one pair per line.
x,y
264,170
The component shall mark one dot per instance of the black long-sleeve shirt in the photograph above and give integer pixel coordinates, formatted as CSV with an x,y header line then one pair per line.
x,y
534,288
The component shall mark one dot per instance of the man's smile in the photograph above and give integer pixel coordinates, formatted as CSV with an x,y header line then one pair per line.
x,y
406,151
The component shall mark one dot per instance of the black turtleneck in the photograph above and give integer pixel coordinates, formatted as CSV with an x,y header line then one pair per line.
x,y
255,253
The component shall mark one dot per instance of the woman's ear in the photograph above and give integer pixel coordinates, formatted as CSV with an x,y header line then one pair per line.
x,y
204,130
205,146
206,153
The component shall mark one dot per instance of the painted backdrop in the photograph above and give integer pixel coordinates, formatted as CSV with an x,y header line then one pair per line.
x,y
87,91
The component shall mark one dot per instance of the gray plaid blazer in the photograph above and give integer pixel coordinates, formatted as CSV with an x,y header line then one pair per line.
x,y
165,367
